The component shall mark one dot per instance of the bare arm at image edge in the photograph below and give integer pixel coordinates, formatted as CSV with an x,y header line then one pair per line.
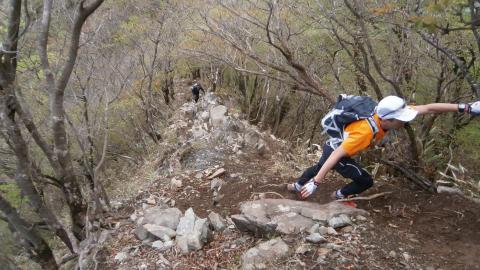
x,y
436,108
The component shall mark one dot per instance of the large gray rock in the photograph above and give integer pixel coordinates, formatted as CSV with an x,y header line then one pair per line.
x,y
141,233
216,184
164,217
264,255
160,232
267,216
315,238
192,232
234,125
199,236
450,190
204,116
182,243
259,226
339,221
251,138
198,131
162,246
218,116
187,222
292,223
209,100
157,244
218,223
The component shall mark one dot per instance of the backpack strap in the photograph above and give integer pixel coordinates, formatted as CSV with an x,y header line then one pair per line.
x,y
373,125
332,125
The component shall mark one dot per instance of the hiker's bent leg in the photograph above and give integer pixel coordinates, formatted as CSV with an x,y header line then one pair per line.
x,y
312,171
362,180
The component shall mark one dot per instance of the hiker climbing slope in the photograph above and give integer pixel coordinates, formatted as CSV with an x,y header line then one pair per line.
x,y
196,88
356,123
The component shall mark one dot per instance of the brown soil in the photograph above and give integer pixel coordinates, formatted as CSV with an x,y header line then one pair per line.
x,y
437,230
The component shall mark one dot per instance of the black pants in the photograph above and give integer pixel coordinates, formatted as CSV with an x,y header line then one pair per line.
x,y
347,167
196,95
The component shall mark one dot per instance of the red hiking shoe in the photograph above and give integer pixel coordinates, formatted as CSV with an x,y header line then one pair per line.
x,y
350,203
337,195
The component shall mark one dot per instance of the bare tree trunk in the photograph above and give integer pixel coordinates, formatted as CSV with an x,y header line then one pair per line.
x,y
167,85
9,107
359,79
38,249
251,98
475,16
428,122
242,84
279,112
24,172
214,72
318,117
71,186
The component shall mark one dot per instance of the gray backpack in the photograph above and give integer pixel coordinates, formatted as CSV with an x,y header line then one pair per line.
x,y
348,109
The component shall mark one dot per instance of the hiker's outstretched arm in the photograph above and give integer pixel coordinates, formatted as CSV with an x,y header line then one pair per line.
x,y
331,161
436,108
470,108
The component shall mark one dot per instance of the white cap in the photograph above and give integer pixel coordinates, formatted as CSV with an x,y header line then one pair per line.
x,y
393,107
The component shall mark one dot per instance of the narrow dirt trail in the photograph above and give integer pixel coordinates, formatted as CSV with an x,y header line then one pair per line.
x,y
408,229
432,230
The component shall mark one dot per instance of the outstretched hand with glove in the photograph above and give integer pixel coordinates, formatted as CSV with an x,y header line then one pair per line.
x,y
308,189
474,108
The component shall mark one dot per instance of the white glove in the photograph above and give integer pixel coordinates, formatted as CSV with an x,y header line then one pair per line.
x,y
308,189
474,108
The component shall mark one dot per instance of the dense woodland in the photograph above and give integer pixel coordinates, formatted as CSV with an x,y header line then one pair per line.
x,y
87,86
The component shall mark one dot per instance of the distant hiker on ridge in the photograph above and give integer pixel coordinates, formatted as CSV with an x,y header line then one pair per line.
x,y
356,123
196,88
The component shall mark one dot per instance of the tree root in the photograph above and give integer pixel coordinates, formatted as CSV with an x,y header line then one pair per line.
x,y
371,197
417,179
267,192
273,185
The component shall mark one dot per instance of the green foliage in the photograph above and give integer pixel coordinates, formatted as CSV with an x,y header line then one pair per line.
x,y
121,132
441,14
29,63
182,67
12,193
468,139
127,30
3,29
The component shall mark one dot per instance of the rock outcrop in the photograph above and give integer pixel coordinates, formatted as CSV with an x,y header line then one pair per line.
x,y
192,232
269,216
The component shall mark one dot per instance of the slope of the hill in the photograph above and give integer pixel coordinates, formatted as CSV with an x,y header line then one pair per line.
x,y
408,229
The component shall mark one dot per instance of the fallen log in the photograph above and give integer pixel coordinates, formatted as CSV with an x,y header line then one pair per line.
x,y
409,174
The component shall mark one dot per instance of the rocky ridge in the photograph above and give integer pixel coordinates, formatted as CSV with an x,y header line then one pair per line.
x,y
302,234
